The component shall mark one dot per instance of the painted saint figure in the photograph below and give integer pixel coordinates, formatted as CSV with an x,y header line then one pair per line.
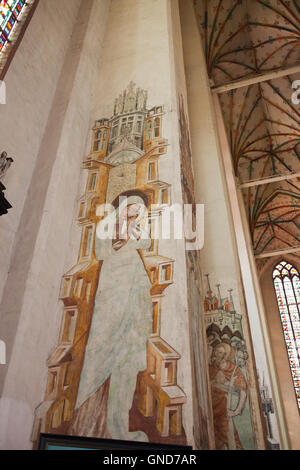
x,y
121,323
227,380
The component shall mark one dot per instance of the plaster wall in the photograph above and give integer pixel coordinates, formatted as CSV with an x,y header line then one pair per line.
x,y
111,44
139,47
31,82
30,310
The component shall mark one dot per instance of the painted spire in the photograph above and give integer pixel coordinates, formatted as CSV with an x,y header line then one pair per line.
x,y
209,291
219,292
232,309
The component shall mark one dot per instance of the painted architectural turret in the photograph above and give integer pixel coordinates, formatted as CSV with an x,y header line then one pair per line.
x,y
123,159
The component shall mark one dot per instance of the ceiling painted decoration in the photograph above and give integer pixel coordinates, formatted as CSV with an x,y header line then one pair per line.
x,y
242,39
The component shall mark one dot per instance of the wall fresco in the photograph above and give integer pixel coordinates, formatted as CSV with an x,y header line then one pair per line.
x,y
228,358
197,336
112,374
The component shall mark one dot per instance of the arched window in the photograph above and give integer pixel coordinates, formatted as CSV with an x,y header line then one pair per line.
x,y
157,127
98,137
287,286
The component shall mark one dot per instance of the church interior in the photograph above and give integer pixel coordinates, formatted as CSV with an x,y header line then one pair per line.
x,y
150,253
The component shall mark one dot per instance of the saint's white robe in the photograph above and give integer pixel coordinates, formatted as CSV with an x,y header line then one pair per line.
x,y
122,318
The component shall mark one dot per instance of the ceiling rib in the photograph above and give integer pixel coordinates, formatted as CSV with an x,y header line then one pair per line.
x,y
278,253
271,179
259,78
252,50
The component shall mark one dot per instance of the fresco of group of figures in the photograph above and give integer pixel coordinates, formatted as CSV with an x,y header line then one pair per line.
x,y
229,376
112,374
227,356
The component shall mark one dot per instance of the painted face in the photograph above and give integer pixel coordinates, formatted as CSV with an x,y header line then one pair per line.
x,y
218,356
133,210
240,359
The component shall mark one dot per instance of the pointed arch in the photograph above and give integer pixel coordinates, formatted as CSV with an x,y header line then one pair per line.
x,y
286,281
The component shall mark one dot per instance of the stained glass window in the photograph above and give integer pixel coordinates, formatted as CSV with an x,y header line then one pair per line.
x,y
14,15
287,286
10,11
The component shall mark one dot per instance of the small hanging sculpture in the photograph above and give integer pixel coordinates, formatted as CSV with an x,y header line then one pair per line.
x,y
5,163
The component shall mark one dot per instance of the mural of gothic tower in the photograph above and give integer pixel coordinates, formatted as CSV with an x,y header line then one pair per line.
x,y
123,161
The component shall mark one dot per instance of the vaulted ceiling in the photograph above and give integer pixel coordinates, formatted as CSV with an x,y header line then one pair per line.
x,y
243,39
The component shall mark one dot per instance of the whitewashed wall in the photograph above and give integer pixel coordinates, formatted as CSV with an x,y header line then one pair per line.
x,y
31,83
54,74
65,79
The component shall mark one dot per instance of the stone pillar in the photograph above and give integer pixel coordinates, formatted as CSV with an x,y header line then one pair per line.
x,y
225,309
143,45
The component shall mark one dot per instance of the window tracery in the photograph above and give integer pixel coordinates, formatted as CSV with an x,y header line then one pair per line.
x,y
286,281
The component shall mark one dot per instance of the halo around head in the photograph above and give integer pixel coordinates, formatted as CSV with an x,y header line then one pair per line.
x,y
226,347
